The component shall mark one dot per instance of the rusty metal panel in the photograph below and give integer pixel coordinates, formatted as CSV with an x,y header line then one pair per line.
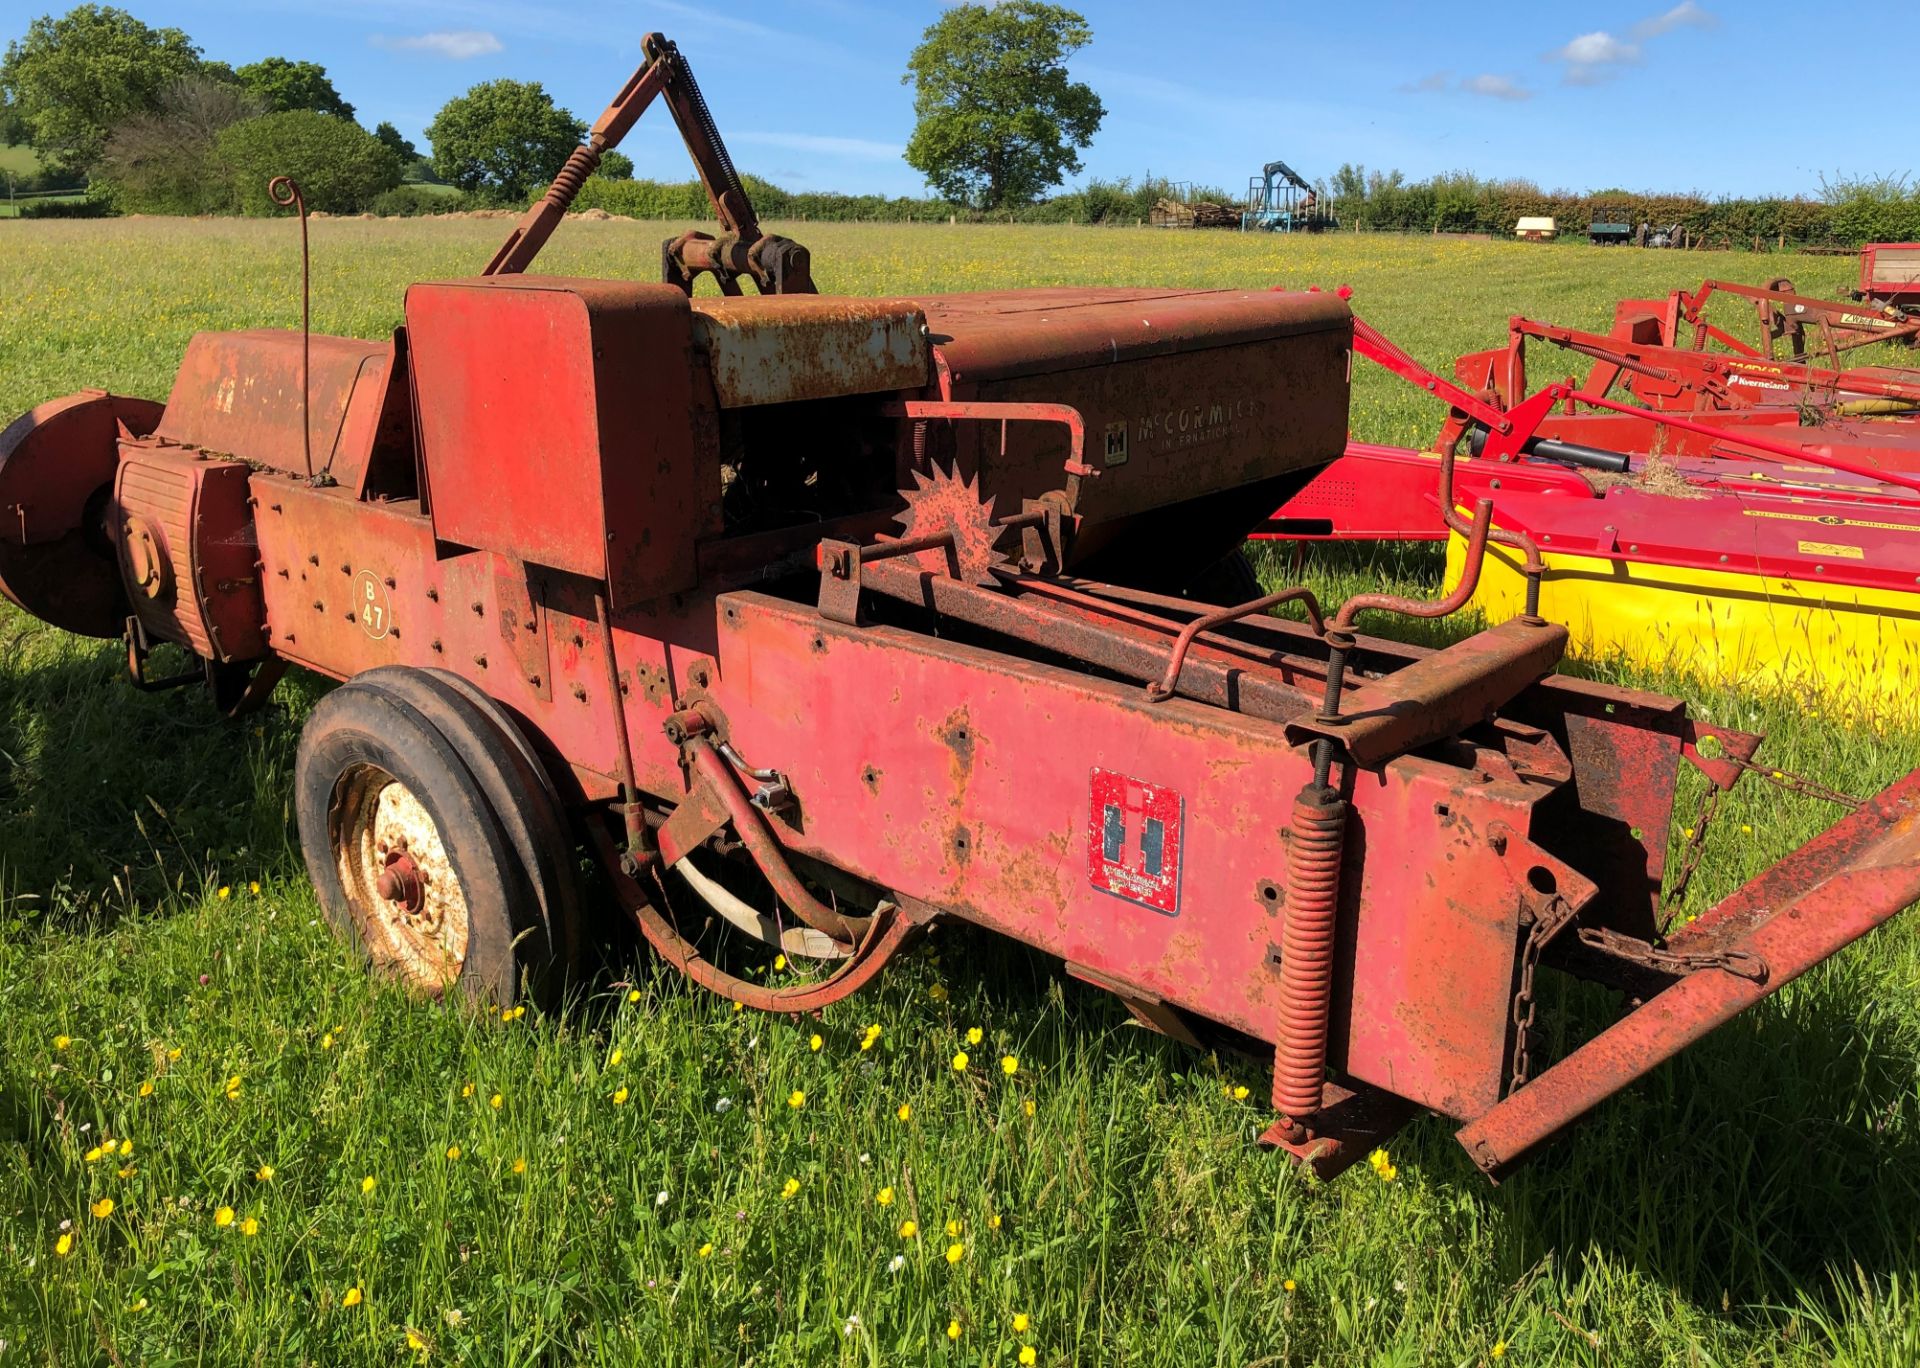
x,y
187,550
774,349
238,394
967,779
557,424
1183,394
1001,335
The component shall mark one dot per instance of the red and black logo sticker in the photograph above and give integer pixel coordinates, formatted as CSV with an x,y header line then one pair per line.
x,y
1134,831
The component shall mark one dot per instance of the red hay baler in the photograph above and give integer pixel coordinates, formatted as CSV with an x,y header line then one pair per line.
x,y
603,563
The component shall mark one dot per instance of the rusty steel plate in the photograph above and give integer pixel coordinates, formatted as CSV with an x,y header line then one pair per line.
x,y
775,349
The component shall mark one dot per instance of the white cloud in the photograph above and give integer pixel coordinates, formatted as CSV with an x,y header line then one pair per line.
x,y
1431,84
1495,87
1683,15
863,148
455,44
1598,56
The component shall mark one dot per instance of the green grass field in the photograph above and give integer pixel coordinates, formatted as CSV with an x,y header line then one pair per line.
x,y
304,1166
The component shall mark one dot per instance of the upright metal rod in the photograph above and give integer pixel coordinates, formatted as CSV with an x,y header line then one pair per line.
x,y
285,192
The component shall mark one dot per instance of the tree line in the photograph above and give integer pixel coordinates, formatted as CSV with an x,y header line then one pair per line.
x,y
144,122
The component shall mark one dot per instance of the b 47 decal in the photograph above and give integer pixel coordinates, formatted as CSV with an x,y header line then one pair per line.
x,y
1134,831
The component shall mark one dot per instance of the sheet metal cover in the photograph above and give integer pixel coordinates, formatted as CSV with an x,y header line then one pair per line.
x,y
775,349
995,336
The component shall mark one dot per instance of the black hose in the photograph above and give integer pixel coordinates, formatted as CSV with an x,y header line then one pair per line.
x,y
1566,453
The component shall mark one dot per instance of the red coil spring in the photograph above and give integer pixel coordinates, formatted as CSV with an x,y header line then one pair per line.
x,y
1306,950
581,164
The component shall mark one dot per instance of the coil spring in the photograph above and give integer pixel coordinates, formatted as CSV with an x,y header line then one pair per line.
x,y
1306,949
584,160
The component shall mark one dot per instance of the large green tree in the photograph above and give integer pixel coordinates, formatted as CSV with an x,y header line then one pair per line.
x,y
401,146
73,79
340,166
1000,121
503,137
287,85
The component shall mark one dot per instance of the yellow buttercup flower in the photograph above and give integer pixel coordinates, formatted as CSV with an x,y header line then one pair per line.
x,y
779,962
1027,1357
93,1154
937,992
467,1091
250,1227
955,1253
352,1296
1288,1285
796,1099
904,1111
453,1151
615,1057
126,1172
415,1343
224,893
884,1197
1027,1106
253,887
326,1041
1009,1065
960,1062
620,1097
993,1221
1499,1349
368,1183
146,1088
792,1186
706,1250
739,1006
953,1229
974,1035
909,1229
1240,1093
496,1101
953,1329
871,1038
264,1173
64,1245
633,996
102,1208
1021,1323
814,1042
519,1166
61,1042
139,1304
223,1217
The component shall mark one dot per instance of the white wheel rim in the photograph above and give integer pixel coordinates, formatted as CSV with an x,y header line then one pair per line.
x,y
377,821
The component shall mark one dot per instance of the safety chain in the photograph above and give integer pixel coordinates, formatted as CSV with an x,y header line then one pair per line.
x,y
1740,963
1791,782
1548,922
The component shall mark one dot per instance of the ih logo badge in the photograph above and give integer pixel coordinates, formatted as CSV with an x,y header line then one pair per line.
x,y
1117,443
1134,831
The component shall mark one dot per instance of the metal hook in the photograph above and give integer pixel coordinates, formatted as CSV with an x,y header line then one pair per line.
x,y
285,192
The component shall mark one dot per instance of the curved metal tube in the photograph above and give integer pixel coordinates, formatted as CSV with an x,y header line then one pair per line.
x,y
1477,536
767,852
1219,618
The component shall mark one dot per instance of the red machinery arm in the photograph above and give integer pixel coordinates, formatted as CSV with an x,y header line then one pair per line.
x,y
776,265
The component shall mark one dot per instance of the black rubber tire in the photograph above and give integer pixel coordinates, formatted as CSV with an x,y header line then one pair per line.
x,y
451,758
523,797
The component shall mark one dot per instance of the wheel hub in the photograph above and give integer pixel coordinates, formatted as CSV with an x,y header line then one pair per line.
x,y
400,883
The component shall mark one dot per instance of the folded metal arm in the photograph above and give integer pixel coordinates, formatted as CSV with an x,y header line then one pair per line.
x,y
776,265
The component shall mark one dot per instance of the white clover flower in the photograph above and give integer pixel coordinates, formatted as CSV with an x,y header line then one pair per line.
x,y
661,1199
724,1105
896,1263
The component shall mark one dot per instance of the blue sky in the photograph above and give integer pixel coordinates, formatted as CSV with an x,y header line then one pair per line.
x,y
808,92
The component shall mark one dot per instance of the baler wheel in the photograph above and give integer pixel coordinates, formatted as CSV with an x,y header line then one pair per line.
x,y
414,815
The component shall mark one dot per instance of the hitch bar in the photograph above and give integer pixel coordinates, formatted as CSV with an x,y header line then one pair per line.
x,y
1861,871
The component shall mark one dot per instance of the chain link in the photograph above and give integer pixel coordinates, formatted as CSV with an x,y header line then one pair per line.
x,y
1787,780
1548,922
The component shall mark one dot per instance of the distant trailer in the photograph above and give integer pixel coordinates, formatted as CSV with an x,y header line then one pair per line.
x,y
1890,274
1609,234
1536,229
